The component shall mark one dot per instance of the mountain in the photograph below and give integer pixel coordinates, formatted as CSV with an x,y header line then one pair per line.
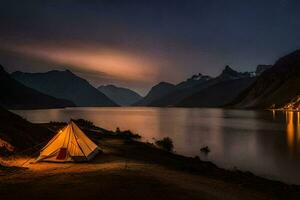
x,y
64,84
20,133
121,96
275,87
217,95
261,68
229,74
15,95
179,94
220,91
156,92
193,81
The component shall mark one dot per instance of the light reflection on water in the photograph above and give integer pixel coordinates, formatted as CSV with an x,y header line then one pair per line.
x,y
293,131
264,142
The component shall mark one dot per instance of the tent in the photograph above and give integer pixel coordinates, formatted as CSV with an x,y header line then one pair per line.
x,y
69,145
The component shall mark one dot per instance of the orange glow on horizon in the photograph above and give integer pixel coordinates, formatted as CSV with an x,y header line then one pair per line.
x,y
115,63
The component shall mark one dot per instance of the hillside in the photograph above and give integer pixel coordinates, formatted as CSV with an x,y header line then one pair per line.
x,y
15,95
20,133
275,87
64,84
122,96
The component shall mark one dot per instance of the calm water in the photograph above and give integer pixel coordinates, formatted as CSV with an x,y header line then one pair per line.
x,y
263,142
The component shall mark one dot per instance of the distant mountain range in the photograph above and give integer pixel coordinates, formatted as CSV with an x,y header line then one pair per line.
x,y
275,87
15,95
66,85
201,90
219,91
122,96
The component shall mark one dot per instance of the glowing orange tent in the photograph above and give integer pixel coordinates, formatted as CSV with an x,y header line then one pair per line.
x,y
69,145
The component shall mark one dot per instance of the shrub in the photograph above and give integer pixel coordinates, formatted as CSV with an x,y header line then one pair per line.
x,y
166,143
85,123
127,134
131,135
205,149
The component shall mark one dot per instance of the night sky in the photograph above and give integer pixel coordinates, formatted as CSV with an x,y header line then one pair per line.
x,y
139,43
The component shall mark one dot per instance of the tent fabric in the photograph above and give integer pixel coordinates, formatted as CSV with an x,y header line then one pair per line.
x,y
69,144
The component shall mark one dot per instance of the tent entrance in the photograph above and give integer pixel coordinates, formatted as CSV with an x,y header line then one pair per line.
x,y
62,154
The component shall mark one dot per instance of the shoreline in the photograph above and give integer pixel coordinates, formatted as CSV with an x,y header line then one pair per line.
x,y
125,157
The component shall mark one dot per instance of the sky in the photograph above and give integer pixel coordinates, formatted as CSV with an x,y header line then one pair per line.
x,y
139,43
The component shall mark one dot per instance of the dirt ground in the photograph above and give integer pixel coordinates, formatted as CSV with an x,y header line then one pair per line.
x,y
134,170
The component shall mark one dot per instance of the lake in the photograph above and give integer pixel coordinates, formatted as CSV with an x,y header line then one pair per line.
x,y
263,142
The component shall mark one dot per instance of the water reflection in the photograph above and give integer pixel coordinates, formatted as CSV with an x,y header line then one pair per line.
x,y
293,131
